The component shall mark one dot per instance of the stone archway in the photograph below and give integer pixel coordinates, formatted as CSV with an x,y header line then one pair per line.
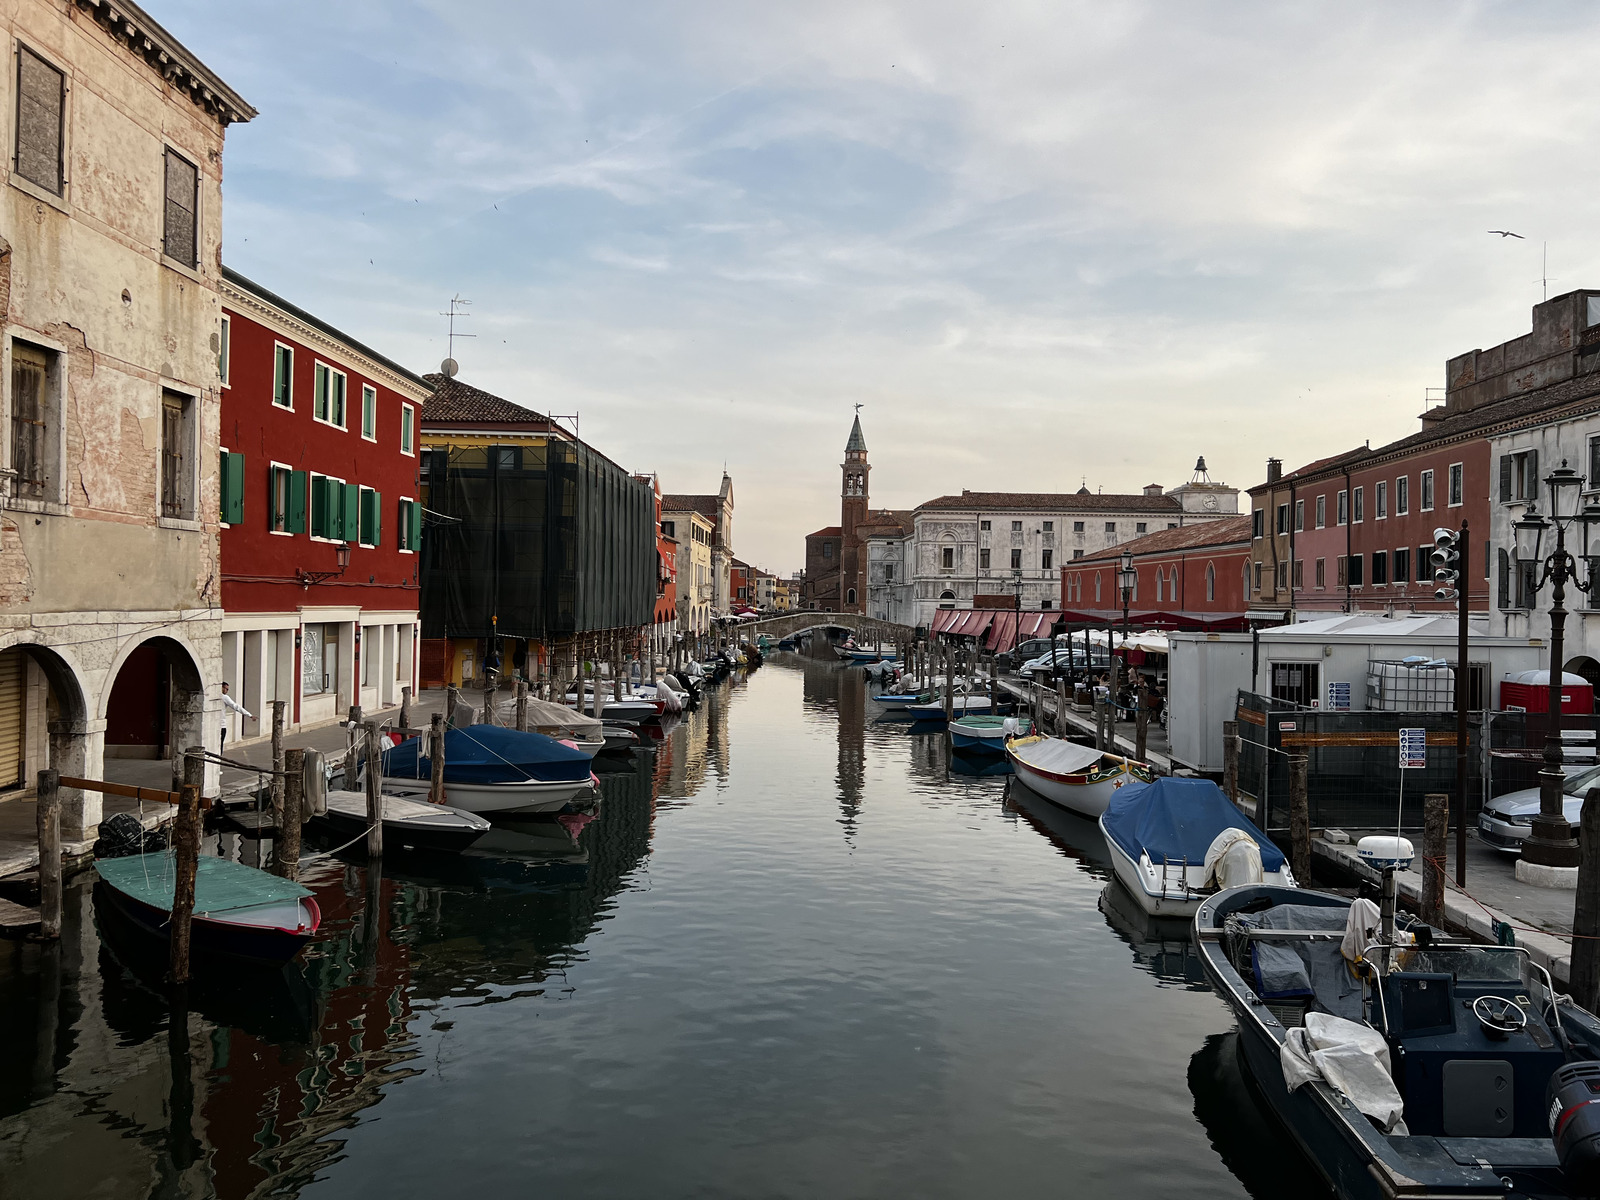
x,y
1588,668
56,729
154,703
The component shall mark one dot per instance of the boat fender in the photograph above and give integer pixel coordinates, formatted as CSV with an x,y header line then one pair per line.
x,y
1573,1101
314,785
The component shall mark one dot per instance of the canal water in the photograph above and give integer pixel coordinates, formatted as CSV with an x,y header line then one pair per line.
x,y
793,956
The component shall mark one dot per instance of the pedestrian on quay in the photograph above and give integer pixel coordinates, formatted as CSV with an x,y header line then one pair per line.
x,y
232,705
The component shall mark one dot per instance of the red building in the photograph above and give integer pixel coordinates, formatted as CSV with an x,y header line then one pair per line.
x,y
666,610
321,525
1192,577
741,585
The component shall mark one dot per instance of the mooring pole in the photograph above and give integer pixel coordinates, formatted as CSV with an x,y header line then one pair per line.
x,y
1300,817
1435,838
1463,667
1230,760
436,759
522,705
185,863
374,793
286,849
405,708
275,788
49,825
352,748
1585,969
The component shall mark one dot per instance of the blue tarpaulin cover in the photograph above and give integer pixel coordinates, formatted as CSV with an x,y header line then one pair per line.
x,y
490,754
1173,819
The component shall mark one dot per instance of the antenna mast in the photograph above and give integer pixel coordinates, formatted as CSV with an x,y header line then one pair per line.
x,y
456,305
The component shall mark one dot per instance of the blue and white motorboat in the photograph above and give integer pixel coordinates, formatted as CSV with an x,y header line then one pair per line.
x,y
971,705
1170,842
853,654
1401,1063
491,769
983,734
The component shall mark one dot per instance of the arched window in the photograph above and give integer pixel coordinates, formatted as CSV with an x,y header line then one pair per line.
x,y
1172,585
1244,579
1161,580
1097,587
1211,582
850,596
947,599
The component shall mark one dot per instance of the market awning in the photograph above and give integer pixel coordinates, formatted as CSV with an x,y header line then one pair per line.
x,y
945,618
1003,633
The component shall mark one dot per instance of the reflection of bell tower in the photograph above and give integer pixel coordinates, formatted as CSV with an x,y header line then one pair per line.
x,y
852,515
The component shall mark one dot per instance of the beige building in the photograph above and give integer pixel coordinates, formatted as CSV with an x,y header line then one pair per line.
x,y
696,576
110,207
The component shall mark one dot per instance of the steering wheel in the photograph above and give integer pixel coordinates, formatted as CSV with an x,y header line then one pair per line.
x,y
1498,1016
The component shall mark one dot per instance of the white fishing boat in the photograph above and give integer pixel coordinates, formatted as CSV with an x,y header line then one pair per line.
x,y
408,823
1176,841
565,725
1076,777
626,709
965,705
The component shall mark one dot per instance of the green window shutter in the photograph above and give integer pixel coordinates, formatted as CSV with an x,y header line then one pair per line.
x,y
416,525
295,519
323,505
376,531
368,517
350,503
231,479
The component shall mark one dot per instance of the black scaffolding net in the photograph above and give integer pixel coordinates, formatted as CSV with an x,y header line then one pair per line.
x,y
534,542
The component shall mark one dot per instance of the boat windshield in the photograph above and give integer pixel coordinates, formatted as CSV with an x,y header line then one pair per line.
x,y
1486,964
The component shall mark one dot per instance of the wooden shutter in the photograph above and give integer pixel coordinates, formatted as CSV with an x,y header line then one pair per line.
x,y
295,518
283,376
1505,477
377,518
322,506
1505,580
13,676
180,237
1594,462
350,512
41,92
29,376
1533,475
232,488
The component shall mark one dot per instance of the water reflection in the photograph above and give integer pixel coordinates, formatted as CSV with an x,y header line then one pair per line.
x,y
1077,837
1164,946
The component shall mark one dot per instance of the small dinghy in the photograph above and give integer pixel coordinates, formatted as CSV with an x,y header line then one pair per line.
x,y
238,911
899,700
1175,841
490,769
975,704
1080,778
565,725
620,739
982,734
408,824
1401,1063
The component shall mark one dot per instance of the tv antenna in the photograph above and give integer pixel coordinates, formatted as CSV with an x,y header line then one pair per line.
x,y
1544,269
457,305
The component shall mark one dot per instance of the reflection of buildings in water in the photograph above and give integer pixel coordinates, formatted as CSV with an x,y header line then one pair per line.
x,y
521,922
690,756
852,704
928,759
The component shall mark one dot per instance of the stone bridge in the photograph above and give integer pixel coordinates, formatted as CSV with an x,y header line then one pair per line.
x,y
867,630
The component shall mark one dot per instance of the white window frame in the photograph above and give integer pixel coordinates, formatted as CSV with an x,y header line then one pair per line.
x,y
224,348
195,523
1322,511
311,519
1454,473
1358,505
368,390
1341,509
361,490
416,515
1402,496
408,430
316,365
1426,497
167,260
272,494
1380,500
273,398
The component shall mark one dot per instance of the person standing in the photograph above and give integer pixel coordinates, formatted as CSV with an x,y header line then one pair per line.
x,y
231,705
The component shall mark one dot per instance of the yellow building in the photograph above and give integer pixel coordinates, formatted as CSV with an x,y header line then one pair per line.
x,y
696,580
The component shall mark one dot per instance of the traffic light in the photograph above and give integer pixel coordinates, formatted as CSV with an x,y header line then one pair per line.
x,y
1447,564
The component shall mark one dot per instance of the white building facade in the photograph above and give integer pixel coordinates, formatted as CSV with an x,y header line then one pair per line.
x,y
1011,545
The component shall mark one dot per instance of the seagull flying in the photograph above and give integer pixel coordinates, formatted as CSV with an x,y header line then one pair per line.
x,y
1505,233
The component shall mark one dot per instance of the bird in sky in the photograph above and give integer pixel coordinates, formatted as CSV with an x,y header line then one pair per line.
x,y
1505,233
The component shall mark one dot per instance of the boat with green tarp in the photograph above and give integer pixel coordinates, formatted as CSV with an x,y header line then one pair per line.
x,y
238,910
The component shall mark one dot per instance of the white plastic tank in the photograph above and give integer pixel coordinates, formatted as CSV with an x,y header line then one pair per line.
x,y
1381,850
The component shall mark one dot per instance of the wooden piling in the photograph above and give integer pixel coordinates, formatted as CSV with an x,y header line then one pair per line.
x,y
1141,723
49,825
489,693
452,697
522,705
436,760
1435,837
1061,706
291,813
185,862
275,788
1300,817
405,709
1230,760
374,792
352,751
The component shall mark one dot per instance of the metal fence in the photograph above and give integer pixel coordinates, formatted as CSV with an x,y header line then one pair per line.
x,y
1354,777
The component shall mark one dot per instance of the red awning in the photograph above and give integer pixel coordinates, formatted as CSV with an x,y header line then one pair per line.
x,y
1003,633
946,617
974,622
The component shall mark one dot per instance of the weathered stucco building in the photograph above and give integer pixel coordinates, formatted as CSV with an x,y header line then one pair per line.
x,y
111,206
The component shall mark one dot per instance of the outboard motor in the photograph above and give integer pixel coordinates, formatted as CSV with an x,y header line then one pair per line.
x,y
1573,1103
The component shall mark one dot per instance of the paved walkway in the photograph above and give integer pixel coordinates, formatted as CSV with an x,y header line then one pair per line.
x,y
19,846
1157,752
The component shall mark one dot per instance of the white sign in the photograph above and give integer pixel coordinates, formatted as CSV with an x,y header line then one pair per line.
x,y
1413,748
1338,696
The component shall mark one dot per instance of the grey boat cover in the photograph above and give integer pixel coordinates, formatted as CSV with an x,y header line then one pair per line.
x,y
1286,970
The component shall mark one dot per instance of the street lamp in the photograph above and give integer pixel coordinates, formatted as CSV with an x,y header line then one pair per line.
x,y
1551,843
1127,580
1016,608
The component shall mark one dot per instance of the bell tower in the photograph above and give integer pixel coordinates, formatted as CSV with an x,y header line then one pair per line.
x,y
853,505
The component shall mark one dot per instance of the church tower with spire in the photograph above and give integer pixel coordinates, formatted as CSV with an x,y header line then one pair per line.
x,y
853,507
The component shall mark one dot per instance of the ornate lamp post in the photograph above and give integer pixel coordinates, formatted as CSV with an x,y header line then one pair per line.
x,y
1127,580
1551,843
1016,607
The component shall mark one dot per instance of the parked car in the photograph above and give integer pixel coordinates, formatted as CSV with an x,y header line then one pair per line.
x,y
1507,819
1066,662
1008,660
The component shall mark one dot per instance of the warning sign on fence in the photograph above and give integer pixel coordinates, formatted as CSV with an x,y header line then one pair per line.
x,y
1413,748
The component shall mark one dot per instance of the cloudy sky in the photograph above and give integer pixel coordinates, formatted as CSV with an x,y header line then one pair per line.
x,y
1041,244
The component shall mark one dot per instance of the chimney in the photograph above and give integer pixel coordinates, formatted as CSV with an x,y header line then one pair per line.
x,y
1274,470
1153,489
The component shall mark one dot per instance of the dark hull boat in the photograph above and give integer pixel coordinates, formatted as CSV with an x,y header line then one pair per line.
x,y
239,912
408,824
1437,1069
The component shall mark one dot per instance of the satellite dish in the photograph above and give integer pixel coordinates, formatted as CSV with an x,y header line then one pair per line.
x,y
450,367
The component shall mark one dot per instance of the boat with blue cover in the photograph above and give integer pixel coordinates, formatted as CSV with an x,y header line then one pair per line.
x,y
981,733
1402,1063
491,769
239,911
1167,839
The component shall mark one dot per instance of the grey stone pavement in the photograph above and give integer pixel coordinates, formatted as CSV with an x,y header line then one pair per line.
x,y
19,849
